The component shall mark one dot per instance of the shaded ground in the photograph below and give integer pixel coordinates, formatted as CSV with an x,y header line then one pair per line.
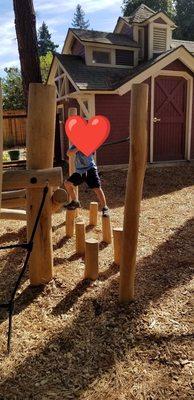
x,y
73,340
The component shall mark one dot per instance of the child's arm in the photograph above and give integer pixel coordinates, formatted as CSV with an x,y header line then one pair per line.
x,y
72,150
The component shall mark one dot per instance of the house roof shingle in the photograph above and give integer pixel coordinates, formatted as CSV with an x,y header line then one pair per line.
x,y
104,37
188,44
140,14
89,77
102,78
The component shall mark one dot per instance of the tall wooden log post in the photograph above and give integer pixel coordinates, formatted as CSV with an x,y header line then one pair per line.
x,y
1,141
134,186
72,111
40,151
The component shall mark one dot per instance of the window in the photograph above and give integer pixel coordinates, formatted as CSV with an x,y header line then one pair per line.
x,y
101,57
125,57
159,40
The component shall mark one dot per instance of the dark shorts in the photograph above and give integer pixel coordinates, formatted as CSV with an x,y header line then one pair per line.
x,y
91,177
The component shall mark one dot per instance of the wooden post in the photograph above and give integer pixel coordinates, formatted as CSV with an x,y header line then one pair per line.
x,y
80,237
93,213
106,230
70,222
91,259
40,151
1,141
117,239
134,186
72,111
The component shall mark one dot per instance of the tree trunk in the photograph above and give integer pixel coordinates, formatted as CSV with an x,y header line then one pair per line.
x,y
25,24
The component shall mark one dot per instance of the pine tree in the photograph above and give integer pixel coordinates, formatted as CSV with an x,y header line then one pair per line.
x,y
79,19
45,44
167,6
184,19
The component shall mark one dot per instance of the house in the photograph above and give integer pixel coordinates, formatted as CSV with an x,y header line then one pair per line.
x,y
96,71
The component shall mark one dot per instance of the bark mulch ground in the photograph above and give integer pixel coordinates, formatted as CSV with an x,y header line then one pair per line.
x,y
72,339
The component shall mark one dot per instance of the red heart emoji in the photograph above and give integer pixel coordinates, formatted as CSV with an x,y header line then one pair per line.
x,y
87,136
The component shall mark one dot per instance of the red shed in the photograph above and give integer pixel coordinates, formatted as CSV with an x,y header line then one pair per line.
x,y
96,70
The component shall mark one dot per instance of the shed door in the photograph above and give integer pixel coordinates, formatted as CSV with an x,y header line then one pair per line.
x,y
169,118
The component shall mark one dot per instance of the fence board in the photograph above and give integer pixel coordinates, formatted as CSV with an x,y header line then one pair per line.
x,y
14,128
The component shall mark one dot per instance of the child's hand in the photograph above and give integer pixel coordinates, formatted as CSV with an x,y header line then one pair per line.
x,y
71,152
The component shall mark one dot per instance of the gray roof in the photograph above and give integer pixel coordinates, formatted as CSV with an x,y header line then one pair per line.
x,y
189,45
102,78
89,77
104,37
140,14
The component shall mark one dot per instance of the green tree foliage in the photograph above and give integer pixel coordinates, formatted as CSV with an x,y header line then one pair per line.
x,y
45,63
13,95
79,19
184,19
129,6
45,44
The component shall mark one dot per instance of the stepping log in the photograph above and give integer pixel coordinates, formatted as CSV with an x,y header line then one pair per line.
x,y
91,259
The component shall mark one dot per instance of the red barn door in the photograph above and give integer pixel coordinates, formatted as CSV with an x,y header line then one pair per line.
x,y
170,104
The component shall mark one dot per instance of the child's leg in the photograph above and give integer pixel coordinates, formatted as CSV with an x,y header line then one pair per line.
x,y
101,196
69,186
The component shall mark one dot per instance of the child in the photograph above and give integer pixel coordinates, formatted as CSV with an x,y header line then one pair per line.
x,y
86,171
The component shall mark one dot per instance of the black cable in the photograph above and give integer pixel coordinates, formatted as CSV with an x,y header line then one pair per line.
x,y
29,246
116,142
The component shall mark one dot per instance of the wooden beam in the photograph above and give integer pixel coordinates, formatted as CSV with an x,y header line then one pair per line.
x,y
134,186
14,194
32,178
13,203
15,215
40,152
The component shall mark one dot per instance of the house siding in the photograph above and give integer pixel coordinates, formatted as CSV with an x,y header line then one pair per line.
x,y
160,21
127,30
177,65
78,49
116,109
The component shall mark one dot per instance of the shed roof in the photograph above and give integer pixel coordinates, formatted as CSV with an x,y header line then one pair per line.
x,y
93,78
140,14
104,37
188,44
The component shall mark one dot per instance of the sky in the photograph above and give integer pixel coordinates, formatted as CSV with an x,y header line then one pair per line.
x,y
58,15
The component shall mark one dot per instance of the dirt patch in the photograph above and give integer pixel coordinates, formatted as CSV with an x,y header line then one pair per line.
x,y
72,339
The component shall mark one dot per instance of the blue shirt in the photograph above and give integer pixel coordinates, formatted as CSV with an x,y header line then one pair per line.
x,y
82,162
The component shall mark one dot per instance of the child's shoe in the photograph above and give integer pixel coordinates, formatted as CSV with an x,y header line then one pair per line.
x,y
105,211
73,205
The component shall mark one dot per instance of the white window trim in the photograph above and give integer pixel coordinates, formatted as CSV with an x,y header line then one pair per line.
x,y
112,51
151,27
189,80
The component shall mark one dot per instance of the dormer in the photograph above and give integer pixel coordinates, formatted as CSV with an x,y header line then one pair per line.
x,y
151,30
103,49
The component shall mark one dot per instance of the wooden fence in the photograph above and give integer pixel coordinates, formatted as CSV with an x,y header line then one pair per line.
x,y
14,128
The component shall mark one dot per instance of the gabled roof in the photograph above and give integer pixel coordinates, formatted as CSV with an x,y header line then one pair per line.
x,y
140,14
92,78
89,77
188,44
109,38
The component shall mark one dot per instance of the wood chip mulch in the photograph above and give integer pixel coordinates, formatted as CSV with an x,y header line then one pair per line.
x,y
72,339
